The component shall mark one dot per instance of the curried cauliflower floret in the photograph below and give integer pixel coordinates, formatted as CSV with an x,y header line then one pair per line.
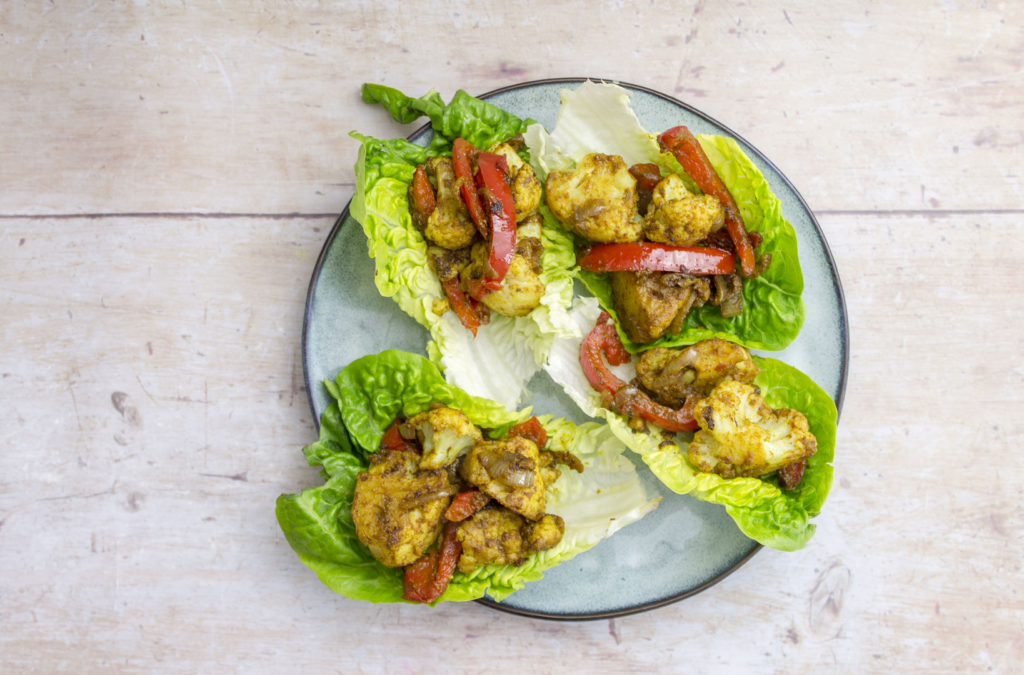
x,y
651,303
507,470
680,218
449,226
597,200
740,435
445,433
397,509
447,264
674,374
496,535
521,289
491,536
530,227
545,533
525,187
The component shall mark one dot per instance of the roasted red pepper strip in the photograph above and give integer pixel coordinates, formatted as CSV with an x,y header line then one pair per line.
x,y
461,153
665,417
466,504
652,256
427,579
471,313
492,172
422,195
419,577
393,440
603,339
451,549
532,430
682,144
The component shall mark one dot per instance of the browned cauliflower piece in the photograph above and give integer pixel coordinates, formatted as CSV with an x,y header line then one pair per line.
x,y
398,509
545,533
492,535
740,435
649,304
447,264
597,200
496,535
508,471
521,289
673,374
680,218
449,226
525,186
445,433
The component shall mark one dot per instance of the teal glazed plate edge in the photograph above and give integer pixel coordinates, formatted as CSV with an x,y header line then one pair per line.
x,y
323,357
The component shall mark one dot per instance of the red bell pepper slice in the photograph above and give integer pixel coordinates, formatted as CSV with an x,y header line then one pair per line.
x,y
418,578
491,179
427,579
423,200
530,429
471,313
393,440
640,405
466,504
653,256
687,151
462,153
603,339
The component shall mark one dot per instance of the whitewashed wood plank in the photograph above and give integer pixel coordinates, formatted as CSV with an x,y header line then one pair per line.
x,y
198,107
143,539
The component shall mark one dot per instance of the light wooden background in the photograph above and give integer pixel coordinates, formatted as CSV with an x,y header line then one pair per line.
x,y
168,173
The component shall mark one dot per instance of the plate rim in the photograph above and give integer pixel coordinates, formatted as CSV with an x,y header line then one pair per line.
x,y
843,320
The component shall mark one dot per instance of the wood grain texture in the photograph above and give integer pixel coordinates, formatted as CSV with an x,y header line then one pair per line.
x,y
198,107
155,411
150,365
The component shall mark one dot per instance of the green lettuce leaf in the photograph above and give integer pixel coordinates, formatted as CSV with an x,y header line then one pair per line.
x,y
369,393
597,118
763,512
508,351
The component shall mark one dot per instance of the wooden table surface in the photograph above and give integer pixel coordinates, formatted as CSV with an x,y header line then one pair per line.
x,y
168,174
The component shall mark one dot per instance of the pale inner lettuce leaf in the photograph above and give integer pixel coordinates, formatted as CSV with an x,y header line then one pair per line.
x,y
508,351
764,512
597,118
594,117
607,496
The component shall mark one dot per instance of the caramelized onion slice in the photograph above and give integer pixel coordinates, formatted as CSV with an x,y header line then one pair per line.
x,y
508,467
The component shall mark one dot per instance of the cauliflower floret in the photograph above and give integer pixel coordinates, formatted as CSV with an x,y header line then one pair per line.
x,y
741,435
521,289
529,227
447,264
651,303
507,470
526,188
449,225
499,536
598,200
397,508
491,536
680,218
674,374
445,433
545,533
